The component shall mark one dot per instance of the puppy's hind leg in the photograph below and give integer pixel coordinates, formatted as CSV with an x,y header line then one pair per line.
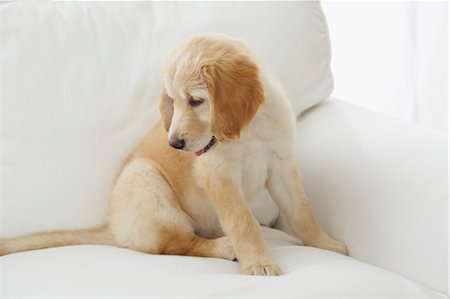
x,y
145,215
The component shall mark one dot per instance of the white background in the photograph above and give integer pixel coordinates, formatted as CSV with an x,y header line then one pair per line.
x,y
392,57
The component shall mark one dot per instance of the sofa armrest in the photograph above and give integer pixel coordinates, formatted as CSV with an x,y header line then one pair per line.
x,y
380,185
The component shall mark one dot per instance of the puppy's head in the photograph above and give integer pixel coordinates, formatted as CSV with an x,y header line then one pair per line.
x,y
211,92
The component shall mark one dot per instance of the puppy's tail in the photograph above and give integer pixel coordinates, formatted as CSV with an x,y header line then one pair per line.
x,y
101,236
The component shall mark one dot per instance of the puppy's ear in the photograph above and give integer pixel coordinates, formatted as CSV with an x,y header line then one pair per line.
x,y
166,109
235,92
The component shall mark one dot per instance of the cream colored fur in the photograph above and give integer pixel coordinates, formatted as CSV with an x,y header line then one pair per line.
x,y
167,201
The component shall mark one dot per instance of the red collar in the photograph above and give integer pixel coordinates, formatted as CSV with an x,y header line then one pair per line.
x,y
206,148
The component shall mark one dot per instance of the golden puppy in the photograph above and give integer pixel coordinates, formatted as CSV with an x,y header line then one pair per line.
x,y
227,131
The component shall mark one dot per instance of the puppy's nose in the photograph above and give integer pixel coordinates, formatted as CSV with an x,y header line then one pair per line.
x,y
176,143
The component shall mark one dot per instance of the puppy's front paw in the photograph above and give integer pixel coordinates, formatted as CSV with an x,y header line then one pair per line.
x,y
338,246
328,243
266,268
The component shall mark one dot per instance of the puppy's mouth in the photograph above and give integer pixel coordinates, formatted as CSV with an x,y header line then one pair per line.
x,y
206,148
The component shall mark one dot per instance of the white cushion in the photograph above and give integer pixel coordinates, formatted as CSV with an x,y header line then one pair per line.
x,y
381,185
81,83
101,271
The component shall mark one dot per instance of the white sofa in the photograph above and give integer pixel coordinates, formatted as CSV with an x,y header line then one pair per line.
x,y
80,87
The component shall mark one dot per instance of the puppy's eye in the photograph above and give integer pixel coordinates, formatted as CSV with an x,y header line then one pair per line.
x,y
195,102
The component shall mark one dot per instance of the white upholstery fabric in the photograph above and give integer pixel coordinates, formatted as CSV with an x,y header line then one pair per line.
x,y
101,271
380,185
384,232
81,85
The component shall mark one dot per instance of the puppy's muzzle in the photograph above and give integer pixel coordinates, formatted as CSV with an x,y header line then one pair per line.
x,y
177,143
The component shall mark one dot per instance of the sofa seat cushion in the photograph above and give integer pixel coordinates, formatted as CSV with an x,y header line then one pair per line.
x,y
105,271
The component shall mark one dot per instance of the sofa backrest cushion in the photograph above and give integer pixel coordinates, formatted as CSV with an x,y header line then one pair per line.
x,y
81,84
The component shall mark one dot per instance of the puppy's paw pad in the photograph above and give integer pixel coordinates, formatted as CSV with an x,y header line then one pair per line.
x,y
266,269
